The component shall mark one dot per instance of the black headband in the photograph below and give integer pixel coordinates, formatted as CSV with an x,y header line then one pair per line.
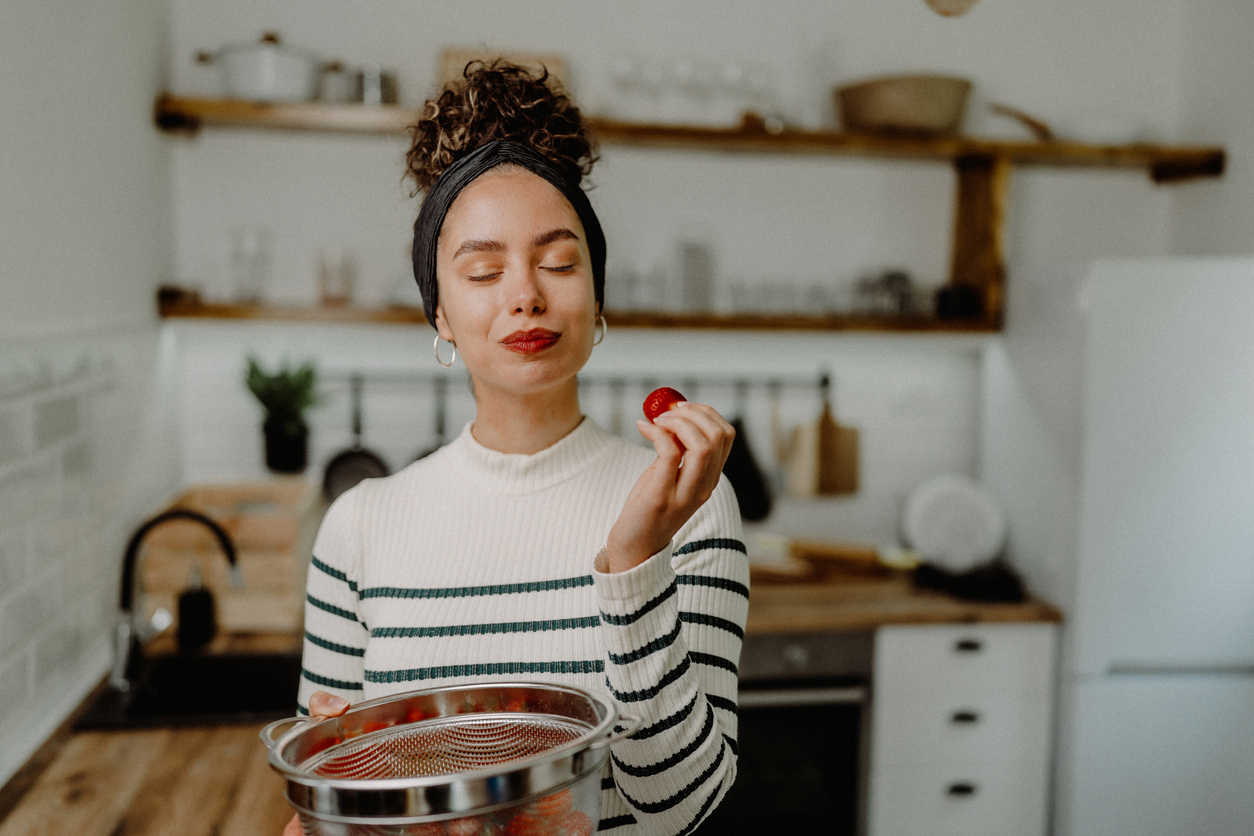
x,y
461,174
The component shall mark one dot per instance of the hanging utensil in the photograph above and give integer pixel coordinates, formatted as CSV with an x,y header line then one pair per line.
x,y
356,463
741,468
823,456
838,450
439,397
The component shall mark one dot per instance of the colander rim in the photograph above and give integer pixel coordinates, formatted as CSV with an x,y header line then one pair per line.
x,y
295,774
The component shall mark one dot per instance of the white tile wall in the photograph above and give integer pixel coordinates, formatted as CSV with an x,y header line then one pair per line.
x,y
86,452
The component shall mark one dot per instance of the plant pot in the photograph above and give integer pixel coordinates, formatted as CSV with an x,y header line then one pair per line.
x,y
287,448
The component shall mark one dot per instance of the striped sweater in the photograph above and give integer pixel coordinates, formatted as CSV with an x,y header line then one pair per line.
x,y
476,566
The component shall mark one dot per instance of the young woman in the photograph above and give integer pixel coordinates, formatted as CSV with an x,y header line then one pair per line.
x,y
536,546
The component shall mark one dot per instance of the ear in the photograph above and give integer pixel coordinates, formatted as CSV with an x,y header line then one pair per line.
x,y
441,324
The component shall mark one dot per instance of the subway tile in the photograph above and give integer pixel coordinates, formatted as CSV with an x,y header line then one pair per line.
x,y
12,444
56,420
57,649
14,557
14,684
76,460
28,610
55,541
27,492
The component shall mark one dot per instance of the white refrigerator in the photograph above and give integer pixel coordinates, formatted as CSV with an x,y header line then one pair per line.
x,y
1157,722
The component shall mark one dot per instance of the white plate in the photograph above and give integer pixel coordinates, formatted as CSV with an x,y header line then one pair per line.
x,y
953,521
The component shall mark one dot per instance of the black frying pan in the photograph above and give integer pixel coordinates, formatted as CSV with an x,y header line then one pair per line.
x,y
356,463
440,398
741,468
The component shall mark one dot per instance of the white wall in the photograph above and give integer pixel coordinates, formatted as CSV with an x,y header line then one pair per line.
x,y
85,441
1217,106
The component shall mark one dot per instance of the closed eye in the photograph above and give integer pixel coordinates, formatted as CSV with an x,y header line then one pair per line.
x,y
565,268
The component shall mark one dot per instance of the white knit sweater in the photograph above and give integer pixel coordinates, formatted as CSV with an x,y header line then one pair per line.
x,y
477,566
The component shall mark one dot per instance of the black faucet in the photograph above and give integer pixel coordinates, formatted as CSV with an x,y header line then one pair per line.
x,y
127,647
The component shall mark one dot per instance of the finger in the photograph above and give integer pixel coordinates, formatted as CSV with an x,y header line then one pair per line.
x,y
715,428
698,432
323,705
708,438
293,827
669,450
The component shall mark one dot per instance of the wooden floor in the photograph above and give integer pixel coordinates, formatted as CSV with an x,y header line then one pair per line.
x,y
160,782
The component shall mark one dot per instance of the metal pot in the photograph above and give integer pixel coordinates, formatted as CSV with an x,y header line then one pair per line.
x,y
924,104
266,71
484,754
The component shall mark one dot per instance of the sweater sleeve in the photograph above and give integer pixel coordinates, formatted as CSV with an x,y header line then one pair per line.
x,y
673,627
335,632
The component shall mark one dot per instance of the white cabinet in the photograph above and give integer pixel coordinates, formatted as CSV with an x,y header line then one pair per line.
x,y
960,726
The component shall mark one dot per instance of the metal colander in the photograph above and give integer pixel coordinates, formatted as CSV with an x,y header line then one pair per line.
x,y
445,747
463,759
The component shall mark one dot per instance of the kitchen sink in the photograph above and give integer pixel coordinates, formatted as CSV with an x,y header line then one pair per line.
x,y
200,690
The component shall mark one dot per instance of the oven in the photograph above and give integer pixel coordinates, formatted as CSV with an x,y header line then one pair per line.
x,y
803,737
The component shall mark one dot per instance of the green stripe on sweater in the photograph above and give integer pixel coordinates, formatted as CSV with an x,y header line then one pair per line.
x,y
475,591
489,669
484,629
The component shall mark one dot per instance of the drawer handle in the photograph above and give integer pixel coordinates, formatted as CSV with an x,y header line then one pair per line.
x,y
962,790
968,646
965,717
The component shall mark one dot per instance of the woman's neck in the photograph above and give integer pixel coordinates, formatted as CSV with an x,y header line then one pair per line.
x,y
510,422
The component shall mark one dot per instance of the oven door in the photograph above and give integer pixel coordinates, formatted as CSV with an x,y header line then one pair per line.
x,y
802,737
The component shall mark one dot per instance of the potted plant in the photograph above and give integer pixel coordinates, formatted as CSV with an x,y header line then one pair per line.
x,y
284,396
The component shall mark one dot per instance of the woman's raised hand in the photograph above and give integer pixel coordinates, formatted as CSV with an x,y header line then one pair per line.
x,y
692,442
321,706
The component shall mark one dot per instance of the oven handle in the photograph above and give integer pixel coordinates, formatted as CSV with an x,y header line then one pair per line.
x,y
774,697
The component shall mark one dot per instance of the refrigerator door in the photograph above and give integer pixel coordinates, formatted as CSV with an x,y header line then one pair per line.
x,y
1166,569
1163,756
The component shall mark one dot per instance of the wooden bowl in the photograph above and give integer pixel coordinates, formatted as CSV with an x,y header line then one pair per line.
x,y
921,104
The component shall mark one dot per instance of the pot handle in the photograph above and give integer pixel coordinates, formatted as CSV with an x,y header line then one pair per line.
x,y
629,723
267,734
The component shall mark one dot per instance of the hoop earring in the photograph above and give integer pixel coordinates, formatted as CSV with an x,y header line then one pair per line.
x,y
605,329
437,352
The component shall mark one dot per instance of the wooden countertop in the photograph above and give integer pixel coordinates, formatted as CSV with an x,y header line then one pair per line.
x,y
873,600
167,782
215,781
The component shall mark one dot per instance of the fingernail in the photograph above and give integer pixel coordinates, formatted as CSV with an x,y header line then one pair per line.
x,y
336,703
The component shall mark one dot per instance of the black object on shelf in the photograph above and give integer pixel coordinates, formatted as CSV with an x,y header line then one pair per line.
x,y
994,582
959,301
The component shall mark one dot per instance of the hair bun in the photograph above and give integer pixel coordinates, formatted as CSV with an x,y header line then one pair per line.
x,y
499,100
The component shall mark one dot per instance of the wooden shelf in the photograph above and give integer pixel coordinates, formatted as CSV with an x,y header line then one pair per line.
x,y
982,168
398,315
1164,163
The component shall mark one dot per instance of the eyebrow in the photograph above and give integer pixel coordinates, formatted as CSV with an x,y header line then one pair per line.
x,y
491,246
479,246
552,235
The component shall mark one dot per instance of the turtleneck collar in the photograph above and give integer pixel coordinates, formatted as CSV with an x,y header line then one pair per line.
x,y
522,473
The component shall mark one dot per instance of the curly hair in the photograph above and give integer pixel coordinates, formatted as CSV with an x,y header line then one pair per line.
x,y
499,100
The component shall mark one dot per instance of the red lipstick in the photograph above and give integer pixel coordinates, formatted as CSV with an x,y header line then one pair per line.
x,y
531,342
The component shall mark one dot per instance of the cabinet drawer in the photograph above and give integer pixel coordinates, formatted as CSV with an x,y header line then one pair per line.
x,y
958,801
927,730
980,658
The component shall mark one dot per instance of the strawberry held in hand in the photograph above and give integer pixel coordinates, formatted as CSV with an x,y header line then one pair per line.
x,y
661,400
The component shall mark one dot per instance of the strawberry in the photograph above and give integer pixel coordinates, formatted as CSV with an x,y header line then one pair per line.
x,y
661,400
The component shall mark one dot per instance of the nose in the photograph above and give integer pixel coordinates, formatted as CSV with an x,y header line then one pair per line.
x,y
528,296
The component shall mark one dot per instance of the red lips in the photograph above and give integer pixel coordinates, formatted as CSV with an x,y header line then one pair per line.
x,y
530,342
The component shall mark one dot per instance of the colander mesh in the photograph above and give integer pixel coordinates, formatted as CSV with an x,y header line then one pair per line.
x,y
458,744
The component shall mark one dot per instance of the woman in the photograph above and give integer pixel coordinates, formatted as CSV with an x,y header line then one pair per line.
x,y
536,546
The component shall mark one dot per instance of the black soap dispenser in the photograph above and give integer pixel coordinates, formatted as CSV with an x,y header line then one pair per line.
x,y
197,615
